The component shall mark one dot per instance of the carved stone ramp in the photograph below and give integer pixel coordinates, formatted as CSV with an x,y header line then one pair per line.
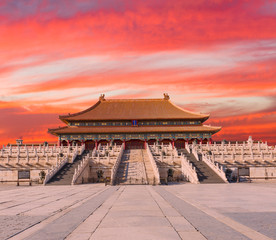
x,y
132,168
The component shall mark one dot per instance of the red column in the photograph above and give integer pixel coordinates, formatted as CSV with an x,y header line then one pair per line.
x,y
145,144
82,142
96,144
68,143
124,142
210,140
173,143
201,140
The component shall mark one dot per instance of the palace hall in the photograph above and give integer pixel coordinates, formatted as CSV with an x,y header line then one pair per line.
x,y
136,141
134,122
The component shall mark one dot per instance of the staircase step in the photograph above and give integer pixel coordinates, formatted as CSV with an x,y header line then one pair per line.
x,y
134,167
65,175
204,172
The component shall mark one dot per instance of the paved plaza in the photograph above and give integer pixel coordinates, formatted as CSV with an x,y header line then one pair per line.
x,y
182,211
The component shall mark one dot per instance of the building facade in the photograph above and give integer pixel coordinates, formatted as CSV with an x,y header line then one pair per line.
x,y
133,121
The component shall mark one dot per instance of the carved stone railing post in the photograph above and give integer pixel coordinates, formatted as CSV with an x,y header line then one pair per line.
x,y
188,170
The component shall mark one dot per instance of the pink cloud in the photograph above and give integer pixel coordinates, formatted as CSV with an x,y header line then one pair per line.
x,y
233,56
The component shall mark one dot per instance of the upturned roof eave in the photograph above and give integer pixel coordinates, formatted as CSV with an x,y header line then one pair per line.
x,y
67,120
53,130
68,116
217,129
58,131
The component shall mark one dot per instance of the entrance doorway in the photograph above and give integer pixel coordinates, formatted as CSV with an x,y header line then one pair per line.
x,y
151,141
179,143
89,145
166,141
117,142
103,142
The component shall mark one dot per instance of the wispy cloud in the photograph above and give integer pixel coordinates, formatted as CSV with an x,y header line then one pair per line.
x,y
56,59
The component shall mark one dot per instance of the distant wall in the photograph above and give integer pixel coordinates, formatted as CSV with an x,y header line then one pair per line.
x,y
262,172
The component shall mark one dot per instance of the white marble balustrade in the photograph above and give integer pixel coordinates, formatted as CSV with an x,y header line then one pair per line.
x,y
37,154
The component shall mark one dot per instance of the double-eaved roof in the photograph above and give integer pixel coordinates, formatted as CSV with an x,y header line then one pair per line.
x,y
134,109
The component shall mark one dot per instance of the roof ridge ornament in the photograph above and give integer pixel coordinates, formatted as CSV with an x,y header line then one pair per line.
x,y
166,96
101,98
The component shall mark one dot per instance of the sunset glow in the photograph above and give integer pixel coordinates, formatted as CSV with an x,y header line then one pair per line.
x,y
216,56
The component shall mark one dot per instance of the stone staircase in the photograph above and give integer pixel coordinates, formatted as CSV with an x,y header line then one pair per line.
x,y
65,175
135,168
148,167
204,172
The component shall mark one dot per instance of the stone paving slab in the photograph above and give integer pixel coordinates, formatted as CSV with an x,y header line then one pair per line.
x,y
181,224
29,200
123,222
136,212
244,197
142,221
6,187
18,214
88,227
191,235
92,211
135,233
264,222
207,225
10,225
64,225
252,205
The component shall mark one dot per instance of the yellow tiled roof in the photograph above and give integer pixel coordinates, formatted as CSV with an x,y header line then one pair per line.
x,y
133,109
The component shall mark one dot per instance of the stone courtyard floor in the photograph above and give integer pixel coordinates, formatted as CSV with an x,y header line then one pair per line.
x,y
95,211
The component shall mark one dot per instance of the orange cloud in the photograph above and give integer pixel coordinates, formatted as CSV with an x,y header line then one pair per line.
x,y
141,28
202,52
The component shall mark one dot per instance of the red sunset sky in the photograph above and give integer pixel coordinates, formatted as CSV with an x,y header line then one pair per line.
x,y
211,56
